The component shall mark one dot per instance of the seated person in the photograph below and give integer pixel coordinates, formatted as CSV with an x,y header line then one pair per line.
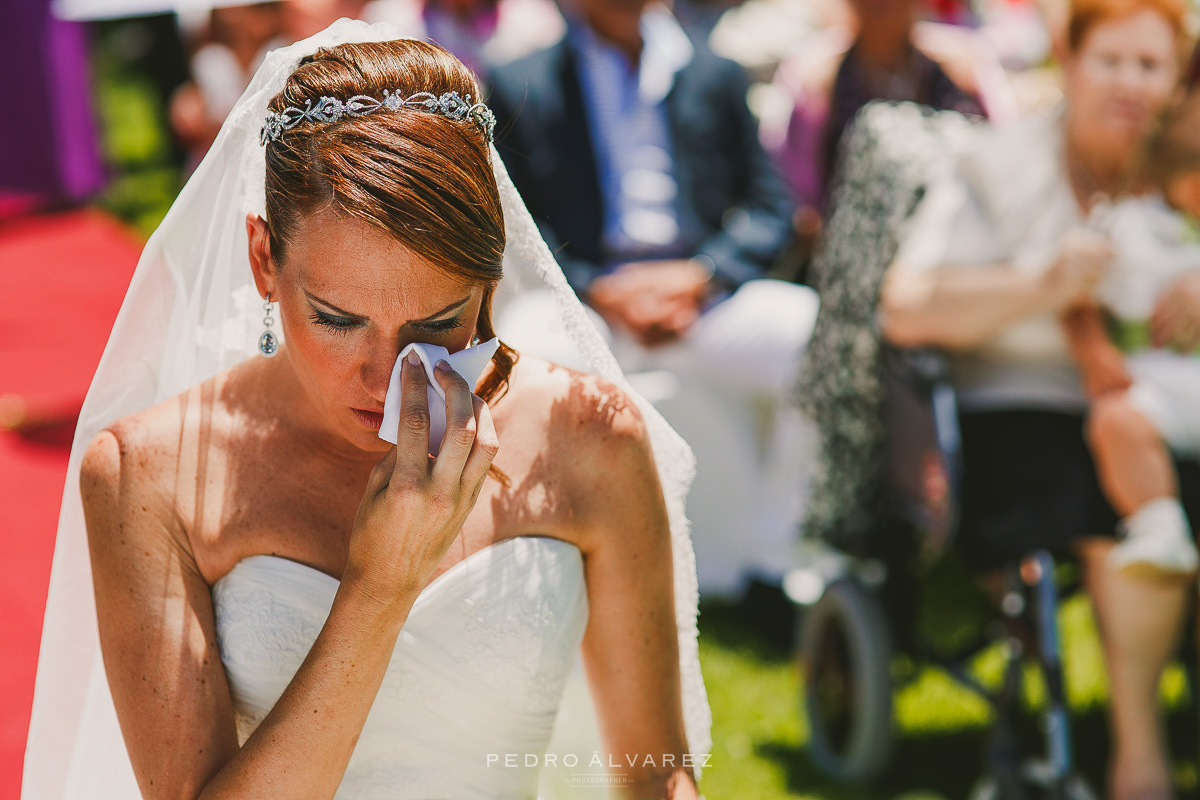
x,y
233,44
636,152
838,69
991,262
1145,396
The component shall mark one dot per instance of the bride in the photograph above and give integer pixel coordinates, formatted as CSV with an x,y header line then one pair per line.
x,y
289,606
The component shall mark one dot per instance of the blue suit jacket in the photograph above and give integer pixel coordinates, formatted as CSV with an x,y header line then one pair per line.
x,y
733,201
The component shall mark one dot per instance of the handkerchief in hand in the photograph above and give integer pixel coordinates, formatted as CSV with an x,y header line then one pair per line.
x,y
468,363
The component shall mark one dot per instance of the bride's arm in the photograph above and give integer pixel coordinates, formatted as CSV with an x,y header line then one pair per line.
x,y
168,684
631,646
157,627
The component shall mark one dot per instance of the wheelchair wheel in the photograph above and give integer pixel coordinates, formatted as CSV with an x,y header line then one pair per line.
x,y
845,650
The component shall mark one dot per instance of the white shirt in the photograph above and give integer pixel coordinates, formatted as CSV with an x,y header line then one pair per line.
x,y
1153,246
1007,200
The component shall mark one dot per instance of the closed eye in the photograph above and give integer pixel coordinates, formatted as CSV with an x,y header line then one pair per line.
x,y
343,325
442,325
333,323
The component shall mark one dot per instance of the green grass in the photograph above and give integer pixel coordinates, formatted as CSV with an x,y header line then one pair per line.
x,y
134,136
759,733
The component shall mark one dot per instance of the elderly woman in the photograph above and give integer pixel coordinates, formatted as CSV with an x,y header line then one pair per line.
x,y
997,251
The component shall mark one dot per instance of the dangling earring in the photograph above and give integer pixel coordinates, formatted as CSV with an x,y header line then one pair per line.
x,y
475,340
268,343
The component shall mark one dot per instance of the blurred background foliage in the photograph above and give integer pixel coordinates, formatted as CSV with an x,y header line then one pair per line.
x,y
135,139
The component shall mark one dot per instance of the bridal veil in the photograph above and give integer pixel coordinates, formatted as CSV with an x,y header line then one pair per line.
x,y
192,311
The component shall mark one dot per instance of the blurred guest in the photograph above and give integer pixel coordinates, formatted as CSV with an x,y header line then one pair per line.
x,y
235,42
303,18
996,253
636,152
1144,389
481,33
51,125
699,17
837,70
885,61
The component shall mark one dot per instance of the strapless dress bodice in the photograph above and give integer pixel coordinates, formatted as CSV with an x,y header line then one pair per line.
x,y
477,672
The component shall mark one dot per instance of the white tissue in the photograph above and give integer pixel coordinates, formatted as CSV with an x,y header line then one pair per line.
x,y
468,363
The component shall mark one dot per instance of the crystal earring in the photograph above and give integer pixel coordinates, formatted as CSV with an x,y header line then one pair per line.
x,y
268,343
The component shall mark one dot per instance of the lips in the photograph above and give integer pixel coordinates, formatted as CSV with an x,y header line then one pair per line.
x,y
371,419
1127,110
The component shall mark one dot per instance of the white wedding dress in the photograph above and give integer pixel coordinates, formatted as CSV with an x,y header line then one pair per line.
x,y
477,673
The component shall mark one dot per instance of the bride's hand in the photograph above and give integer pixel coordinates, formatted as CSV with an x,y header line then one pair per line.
x,y
415,504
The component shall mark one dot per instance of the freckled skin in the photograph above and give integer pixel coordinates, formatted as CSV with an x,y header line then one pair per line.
x,y
268,458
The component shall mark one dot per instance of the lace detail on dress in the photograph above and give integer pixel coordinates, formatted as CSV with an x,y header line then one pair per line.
x,y
499,646
267,637
478,668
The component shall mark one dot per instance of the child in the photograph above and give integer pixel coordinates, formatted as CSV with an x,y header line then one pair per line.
x,y
1144,395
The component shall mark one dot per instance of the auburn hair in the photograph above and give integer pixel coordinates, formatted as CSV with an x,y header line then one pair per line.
x,y
423,178
1085,14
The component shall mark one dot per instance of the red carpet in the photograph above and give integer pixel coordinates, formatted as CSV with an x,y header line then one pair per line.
x,y
62,279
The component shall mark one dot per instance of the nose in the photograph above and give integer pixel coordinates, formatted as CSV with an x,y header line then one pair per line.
x,y
377,361
375,368
1132,77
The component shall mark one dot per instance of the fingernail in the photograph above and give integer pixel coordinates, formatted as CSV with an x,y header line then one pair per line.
x,y
443,365
413,359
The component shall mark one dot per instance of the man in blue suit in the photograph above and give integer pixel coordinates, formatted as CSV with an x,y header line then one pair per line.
x,y
633,147
636,153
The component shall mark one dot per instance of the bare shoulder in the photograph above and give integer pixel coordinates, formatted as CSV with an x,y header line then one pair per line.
x,y
597,441
143,465
593,415
130,452
137,440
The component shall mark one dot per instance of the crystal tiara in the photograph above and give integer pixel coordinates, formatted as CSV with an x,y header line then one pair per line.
x,y
331,109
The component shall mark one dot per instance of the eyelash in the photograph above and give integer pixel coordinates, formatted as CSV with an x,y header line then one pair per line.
x,y
341,325
444,325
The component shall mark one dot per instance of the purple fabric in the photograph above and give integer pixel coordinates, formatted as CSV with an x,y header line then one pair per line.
x,y
50,149
801,157
465,38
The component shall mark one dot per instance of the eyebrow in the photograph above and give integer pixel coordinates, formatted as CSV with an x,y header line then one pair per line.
x,y
432,317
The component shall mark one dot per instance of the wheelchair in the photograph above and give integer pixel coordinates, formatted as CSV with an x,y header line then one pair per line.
x,y
863,615
891,424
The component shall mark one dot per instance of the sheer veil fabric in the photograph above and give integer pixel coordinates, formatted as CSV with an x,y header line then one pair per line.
x,y
192,311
